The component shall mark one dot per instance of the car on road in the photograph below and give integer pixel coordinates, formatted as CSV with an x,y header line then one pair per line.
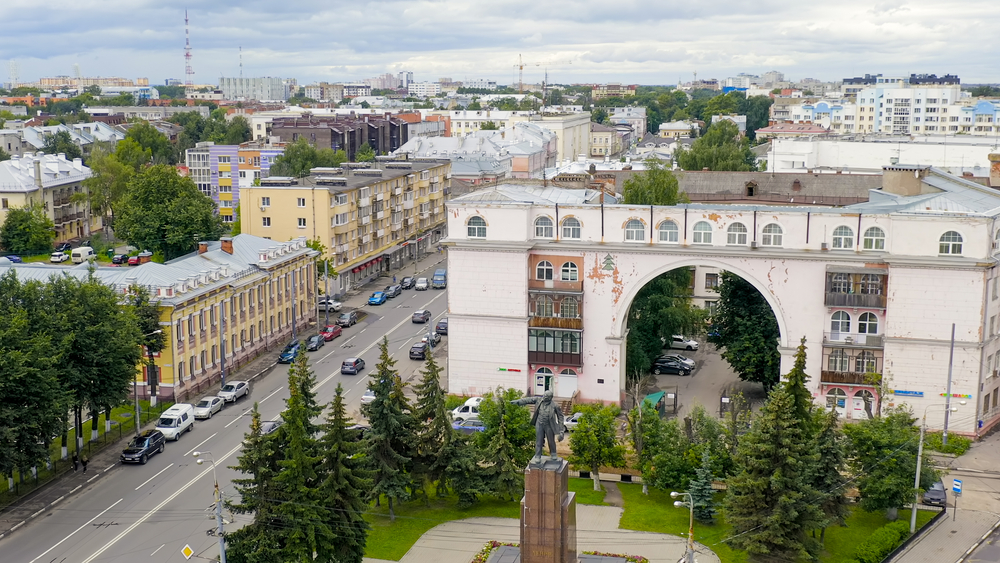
x,y
352,366
119,259
937,495
58,257
233,390
133,260
330,332
143,446
465,411
328,304
442,326
269,426
435,338
368,397
291,350
678,358
14,258
377,298
671,367
572,420
469,426
408,282
681,342
419,351
208,406
347,319
64,247
315,342
393,290
421,316
422,284
176,420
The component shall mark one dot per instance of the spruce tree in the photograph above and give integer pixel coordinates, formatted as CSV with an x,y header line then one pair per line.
x,y
345,485
434,429
390,427
795,384
507,443
701,490
645,426
770,500
258,541
828,479
463,474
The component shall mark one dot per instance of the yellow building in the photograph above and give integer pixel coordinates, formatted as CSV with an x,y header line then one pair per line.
x,y
371,217
52,181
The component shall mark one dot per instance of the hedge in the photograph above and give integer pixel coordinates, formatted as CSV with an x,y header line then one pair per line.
x,y
882,542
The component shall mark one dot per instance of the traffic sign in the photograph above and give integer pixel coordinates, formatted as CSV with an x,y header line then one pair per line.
x,y
187,552
956,487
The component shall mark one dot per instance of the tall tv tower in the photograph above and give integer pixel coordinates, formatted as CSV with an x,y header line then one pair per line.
x,y
188,71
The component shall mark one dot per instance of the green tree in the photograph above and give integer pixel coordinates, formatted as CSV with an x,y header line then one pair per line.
x,y
364,154
434,432
62,142
490,126
463,474
595,441
323,264
657,185
661,309
346,481
93,90
644,427
758,112
390,432
147,317
300,157
669,466
4,155
236,227
164,212
507,444
152,140
768,501
795,384
475,105
599,115
130,153
27,230
109,181
746,331
721,148
724,104
237,131
985,91
828,477
701,490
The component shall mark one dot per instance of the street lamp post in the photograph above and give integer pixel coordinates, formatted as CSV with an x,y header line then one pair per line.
x,y
920,456
689,555
150,369
219,531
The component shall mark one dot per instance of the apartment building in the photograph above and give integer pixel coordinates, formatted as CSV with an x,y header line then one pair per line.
x,y
264,89
50,180
612,90
424,89
255,159
383,133
372,217
604,140
213,169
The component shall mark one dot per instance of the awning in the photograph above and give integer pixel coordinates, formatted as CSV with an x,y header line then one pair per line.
x,y
655,398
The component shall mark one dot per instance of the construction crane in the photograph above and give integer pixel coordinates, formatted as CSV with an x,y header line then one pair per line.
x,y
520,70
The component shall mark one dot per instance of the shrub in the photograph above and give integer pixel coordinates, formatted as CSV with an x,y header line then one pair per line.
x,y
957,445
882,542
452,402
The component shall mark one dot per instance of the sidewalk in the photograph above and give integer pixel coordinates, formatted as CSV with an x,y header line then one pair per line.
x,y
948,540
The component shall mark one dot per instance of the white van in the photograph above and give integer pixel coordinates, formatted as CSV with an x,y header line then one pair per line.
x,y
82,254
176,420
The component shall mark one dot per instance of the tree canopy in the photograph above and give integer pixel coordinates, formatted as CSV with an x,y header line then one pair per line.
x,y
746,331
656,185
721,148
62,142
661,309
300,157
27,230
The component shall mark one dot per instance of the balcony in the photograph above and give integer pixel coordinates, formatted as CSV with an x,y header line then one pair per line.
x,y
366,219
380,215
862,300
843,377
557,358
364,201
852,340
408,204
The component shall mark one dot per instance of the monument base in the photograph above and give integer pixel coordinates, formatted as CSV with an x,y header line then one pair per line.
x,y
548,514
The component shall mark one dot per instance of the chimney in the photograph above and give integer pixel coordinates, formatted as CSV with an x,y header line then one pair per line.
x,y
202,247
227,244
145,256
995,170
38,173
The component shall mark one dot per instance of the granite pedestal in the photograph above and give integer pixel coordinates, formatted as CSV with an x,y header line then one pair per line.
x,y
548,514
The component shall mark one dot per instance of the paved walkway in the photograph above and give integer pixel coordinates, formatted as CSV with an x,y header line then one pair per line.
x,y
950,538
597,530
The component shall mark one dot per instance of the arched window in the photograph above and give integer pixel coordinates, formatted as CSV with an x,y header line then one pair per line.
x,y
843,238
836,399
736,234
864,362
477,227
867,399
840,283
544,228
571,228
838,360
841,322
544,270
874,239
544,371
702,233
871,284
771,235
569,308
867,324
635,231
569,272
543,306
568,371
951,243
669,232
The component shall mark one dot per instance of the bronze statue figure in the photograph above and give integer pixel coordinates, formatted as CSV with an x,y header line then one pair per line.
x,y
548,421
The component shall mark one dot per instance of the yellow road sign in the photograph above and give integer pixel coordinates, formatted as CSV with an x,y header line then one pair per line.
x,y
187,552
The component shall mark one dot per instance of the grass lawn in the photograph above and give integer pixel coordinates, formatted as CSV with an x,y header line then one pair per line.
x,y
413,519
585,493
841,542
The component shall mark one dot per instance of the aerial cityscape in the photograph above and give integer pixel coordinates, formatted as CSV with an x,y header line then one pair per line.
x,y
426,282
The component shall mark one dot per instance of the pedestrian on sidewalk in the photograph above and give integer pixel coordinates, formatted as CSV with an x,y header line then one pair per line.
x,y
84,461
393,279
76,462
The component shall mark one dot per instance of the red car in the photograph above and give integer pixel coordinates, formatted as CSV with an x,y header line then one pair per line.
x,y
133,261
330,332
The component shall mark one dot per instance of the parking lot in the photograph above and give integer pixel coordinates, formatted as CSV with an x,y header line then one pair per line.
x,y
705,386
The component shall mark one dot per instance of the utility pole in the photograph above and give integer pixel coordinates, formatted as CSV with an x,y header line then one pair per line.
x,y
947,397
326,288
219,530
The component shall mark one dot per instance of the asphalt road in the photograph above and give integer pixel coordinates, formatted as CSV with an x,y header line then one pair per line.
x,y
150,512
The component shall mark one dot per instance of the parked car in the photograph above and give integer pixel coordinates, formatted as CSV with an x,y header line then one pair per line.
x,y
377,298
133,260
143,446
348,319
421,316
352,366
175,421
435,338
330,332
422,284
418,351
64,247
208,406
465,411
937,495
671,367
291,350
678,358
680,342
315,342
393,290
368,397
408,282
442,326
329,304
233,390
473,401
269,426
469,426
14,258
119,259
572,420
361,430
58,257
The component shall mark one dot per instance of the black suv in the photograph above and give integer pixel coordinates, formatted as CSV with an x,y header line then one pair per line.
x,y
408,282
669,366
142,446
393,290
418,351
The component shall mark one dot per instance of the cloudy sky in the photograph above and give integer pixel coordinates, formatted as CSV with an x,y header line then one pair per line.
x,y
649,42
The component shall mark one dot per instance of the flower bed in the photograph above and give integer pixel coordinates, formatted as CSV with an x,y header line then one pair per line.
x,y
629,558
488,549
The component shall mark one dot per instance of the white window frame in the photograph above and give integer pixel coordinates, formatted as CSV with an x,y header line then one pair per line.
x,y
634,234
702,233
668,232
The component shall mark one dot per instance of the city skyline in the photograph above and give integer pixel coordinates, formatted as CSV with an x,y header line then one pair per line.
x,y
584,41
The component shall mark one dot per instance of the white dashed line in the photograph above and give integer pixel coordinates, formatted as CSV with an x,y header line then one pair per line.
x,y
155,476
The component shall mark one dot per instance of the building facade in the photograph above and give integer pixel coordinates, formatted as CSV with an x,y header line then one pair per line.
x,y
215,170
383,133
264,89
612,90
604,140
51,181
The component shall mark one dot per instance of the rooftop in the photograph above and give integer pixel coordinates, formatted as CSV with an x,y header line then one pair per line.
x,y
353,175
18,174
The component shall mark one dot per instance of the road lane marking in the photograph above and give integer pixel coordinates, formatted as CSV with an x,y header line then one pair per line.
x,y
246,412
110,467
146,516
157,549
155,476
77,530
199,445
57,500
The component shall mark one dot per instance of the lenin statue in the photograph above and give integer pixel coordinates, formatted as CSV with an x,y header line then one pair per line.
x,y
548,421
